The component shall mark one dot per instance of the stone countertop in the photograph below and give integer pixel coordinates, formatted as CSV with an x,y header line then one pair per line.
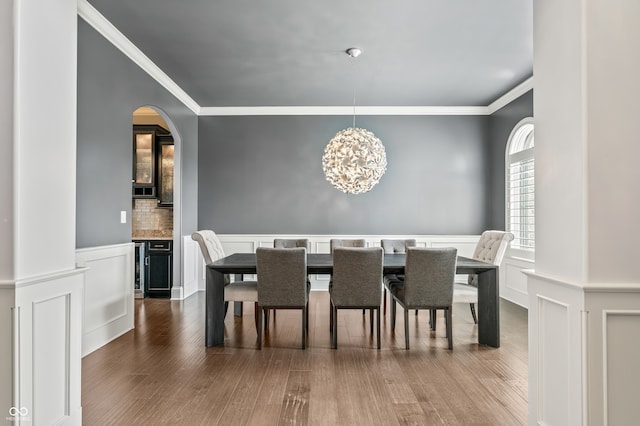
x,y
153,235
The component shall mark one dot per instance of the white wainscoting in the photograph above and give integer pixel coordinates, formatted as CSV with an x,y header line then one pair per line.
x,y
192,263
513,281
613,345
46,345
108,293
555,327
584,346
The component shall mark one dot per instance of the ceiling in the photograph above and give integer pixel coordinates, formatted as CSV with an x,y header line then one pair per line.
x,y
235,53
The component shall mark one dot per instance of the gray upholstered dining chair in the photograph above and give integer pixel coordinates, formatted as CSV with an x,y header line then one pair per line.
x,y
291,243
491,249
357,273
237,291
428,284
391,280
337,242
282,284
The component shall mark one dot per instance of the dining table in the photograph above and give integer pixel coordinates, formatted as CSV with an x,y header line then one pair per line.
x,y
322,263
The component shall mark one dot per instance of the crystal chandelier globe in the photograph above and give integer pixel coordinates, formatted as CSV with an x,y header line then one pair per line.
x,y
354,160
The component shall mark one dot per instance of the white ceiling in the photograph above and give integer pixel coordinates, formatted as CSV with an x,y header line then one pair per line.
x,y
283,53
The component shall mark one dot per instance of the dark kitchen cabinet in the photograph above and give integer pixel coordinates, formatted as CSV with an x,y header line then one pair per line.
x,y
153,164
158,268
165,171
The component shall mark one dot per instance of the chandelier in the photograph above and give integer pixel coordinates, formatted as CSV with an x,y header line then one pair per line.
x,y
354,160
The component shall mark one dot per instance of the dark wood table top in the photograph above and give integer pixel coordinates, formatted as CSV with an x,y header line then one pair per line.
x,y
322,263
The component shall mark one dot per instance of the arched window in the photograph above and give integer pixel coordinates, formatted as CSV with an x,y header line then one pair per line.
x,y
520,186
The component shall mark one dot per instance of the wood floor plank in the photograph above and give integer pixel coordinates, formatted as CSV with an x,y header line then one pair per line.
x,y
161,372
295,404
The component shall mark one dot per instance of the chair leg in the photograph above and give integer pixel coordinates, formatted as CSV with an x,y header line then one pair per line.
x,y
384,300
406,328
371,321
434,318
378,325
256,314
334,334
266,319
392,301
259,327
307,316
448,313
446,323
473,312
416,312
330,317
226,308
304,327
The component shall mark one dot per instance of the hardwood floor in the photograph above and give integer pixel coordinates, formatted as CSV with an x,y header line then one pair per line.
x,y
161,372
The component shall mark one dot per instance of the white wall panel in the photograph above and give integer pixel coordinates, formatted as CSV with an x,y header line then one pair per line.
x,y
513,281
108,294
553,329
47,348
51,358
621,372
556,340
191,253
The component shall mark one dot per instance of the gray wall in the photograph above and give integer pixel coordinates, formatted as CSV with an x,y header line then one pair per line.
x,y
501,123
264,175
110,88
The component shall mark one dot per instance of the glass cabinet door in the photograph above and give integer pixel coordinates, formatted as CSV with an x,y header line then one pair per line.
x,y
143,157
165,174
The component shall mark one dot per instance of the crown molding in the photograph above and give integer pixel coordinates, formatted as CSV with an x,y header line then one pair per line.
x,y
122,43
94,18
344,110
511,95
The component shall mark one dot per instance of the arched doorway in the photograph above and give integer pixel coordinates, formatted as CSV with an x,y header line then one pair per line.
x,y
155,204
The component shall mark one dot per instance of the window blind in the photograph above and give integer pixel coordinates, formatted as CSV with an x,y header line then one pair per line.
x,y
522,203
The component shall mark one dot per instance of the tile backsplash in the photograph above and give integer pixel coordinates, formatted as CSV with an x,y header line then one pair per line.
x,y
148,218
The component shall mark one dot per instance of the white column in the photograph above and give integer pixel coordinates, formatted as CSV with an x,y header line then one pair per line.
x,y
40,287
584,306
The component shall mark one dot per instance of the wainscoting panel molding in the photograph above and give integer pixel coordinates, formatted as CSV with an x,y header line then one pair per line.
x,y
108,294
556,383
51,328
613,347
621,352
47,340
191,264
513,282
553,328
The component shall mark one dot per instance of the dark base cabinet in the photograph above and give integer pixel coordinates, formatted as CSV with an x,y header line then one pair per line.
x,y
158,268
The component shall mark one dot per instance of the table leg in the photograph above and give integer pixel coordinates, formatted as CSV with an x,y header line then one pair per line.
x,y
237,306
214,309
488,308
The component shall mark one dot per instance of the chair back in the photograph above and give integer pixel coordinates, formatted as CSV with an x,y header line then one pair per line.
x,y
210,245
282,276
357,276
397,246
429,275
334,243
491,249
290,243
